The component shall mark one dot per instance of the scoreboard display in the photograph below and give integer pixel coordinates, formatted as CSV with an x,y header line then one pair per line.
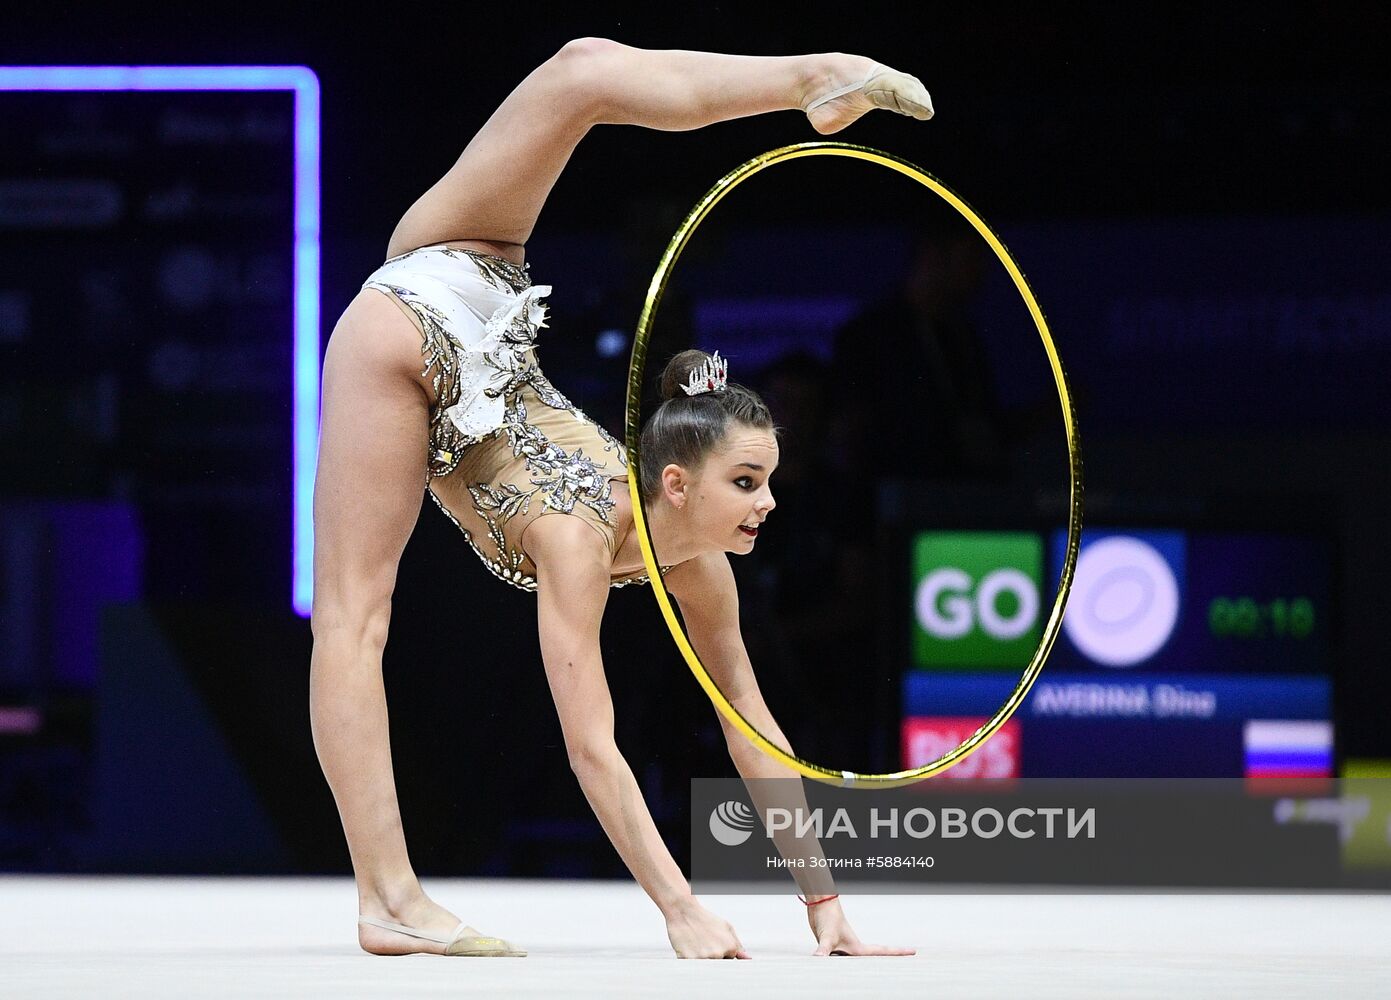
x,y
1183,653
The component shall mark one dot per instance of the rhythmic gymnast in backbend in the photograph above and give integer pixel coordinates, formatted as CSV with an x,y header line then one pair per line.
x,y
430,378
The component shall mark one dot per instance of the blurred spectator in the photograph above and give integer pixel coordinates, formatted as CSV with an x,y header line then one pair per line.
x,y
806,595
913,391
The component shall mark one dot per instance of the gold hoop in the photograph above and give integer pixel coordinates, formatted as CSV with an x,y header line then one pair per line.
x,y
633,430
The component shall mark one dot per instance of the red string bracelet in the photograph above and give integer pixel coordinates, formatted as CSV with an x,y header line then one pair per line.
x,y
819,901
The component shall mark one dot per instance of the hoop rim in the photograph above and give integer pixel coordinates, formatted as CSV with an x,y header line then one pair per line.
x,y
633,429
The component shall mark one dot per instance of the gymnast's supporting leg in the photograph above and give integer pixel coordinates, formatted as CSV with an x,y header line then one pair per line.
x,y
367,496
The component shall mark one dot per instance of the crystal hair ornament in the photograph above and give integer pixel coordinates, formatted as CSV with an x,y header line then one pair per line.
x,y
709,377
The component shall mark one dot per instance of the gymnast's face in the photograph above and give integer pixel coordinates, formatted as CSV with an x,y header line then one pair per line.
x,y
731,494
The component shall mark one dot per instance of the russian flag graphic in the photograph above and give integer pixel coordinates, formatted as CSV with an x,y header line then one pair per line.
x,y
1279,748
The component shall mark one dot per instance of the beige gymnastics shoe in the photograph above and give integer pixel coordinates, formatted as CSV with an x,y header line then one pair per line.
x,y
466,945
881,88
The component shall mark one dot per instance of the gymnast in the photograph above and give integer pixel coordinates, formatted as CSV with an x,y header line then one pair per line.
x,y
430,378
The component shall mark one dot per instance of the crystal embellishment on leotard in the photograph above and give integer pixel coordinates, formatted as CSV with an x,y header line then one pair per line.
x,y
480,376
494,270
611,443
500,363
509,570
518,322
441,353
479,395
502,570
531,375
563,479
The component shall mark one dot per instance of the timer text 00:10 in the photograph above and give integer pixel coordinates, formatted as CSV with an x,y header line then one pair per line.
x,y
1241,617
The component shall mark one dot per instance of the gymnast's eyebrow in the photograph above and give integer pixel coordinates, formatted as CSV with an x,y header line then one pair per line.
x,y
756,468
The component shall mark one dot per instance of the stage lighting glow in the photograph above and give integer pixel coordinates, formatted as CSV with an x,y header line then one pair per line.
x,y
305,85
610,343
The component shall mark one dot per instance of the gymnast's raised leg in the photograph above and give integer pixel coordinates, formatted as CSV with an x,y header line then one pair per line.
x,y
494,193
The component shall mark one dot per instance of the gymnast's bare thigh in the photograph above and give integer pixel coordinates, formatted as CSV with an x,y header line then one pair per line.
x,y
382,335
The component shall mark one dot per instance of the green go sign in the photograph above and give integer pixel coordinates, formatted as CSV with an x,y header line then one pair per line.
x,y
976,598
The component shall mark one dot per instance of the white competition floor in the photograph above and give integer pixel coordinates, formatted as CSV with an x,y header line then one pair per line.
x,y
272,937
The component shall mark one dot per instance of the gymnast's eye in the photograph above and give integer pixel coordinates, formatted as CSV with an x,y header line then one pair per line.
x,y
744,479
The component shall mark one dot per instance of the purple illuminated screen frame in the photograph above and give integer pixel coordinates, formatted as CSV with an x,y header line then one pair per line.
x,y
305,85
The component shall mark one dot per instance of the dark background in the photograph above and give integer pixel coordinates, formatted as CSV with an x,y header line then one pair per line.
x,y
1142,120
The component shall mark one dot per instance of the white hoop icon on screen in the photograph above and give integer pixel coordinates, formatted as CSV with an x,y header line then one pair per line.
x,y
1125,602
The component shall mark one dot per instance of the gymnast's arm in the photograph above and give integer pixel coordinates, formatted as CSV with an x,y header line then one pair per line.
x,y
572,589
705,590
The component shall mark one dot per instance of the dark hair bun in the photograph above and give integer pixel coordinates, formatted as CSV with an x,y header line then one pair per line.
x,y
684,433
678,372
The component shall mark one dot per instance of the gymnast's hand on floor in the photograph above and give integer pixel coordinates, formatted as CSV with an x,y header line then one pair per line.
x,y
695,932
834,935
